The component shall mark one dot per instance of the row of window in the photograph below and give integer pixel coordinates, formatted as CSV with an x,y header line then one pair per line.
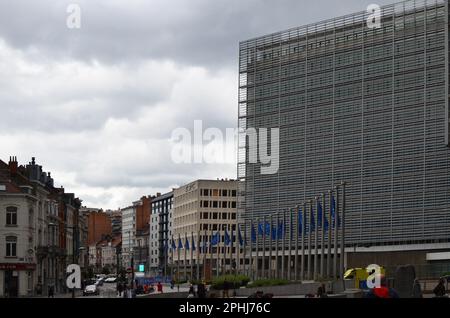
x,y
218,204
217,193
217,216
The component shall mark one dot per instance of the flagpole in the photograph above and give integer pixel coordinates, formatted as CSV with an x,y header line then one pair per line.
x,y
296,245
302,265
263,265
178,265
277,248
330,230
237,250
316,240
322,241
343,232
309,240
336,213
283,246
204,251
251,271
290,245
257,249
270,244
224,267
218,255
211,256
185,257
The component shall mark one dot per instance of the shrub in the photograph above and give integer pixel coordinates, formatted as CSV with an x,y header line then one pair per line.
x,y
268,282
234,281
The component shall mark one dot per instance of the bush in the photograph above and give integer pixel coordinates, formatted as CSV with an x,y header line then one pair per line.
x,y
234,281
268,282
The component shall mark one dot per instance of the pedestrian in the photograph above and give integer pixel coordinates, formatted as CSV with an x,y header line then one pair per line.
x,y
417,289
201,290
226,287
120,289
125,291
172,284
383,291
51,292
439,290
321,291
191,291
159,286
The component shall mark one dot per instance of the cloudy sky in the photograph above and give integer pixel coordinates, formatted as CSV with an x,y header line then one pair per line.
x,y
97,105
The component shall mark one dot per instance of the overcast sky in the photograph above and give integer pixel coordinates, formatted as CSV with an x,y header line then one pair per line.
x,y
97,105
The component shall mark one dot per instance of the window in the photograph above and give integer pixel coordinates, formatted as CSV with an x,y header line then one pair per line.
x,y
11,246
233,193
215,204
205,215
233,204
214,215
11,216
224,193
224,216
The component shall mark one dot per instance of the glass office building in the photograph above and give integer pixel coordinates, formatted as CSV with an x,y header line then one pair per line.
x,y
368,106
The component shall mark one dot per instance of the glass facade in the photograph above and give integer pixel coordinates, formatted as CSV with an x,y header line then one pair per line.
x,y
365,106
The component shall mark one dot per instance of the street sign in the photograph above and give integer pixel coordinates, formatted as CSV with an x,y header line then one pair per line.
x,y
141,268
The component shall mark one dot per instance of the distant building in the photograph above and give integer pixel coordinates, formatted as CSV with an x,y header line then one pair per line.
x,y
203,208
99,224
160,233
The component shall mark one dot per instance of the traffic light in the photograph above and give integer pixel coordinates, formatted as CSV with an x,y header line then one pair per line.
x,y
141,268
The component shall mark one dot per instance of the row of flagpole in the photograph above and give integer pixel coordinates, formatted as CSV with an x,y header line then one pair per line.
x,y
304,237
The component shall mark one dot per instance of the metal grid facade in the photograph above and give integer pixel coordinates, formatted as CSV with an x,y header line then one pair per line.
x,y
365,106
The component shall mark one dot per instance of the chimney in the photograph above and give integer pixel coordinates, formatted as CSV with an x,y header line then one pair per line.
x,y
13,166
158,194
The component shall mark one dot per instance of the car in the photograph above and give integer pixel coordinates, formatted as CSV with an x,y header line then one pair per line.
x,y
91,290
111,280
99,282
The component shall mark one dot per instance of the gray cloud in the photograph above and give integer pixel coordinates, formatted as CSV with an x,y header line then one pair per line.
x,y
97,106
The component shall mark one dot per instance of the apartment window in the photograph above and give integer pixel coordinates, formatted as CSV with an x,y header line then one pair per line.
x,y
233,193
224,193
214,216
214,204
224,216
224,204
11,246
215,193
205,204
205,215
11,216
233,204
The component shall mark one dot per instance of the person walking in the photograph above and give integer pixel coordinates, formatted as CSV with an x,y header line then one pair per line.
x,y
201,290
159,286
383,291
191,291
119,289
439,290
321,291
226,287
417,289
51,292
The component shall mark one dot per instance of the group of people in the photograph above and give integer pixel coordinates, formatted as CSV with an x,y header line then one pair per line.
x,y
201,290
128,291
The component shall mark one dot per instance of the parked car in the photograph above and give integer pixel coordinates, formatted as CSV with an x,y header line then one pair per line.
x,y
111,280
91,290
99,282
